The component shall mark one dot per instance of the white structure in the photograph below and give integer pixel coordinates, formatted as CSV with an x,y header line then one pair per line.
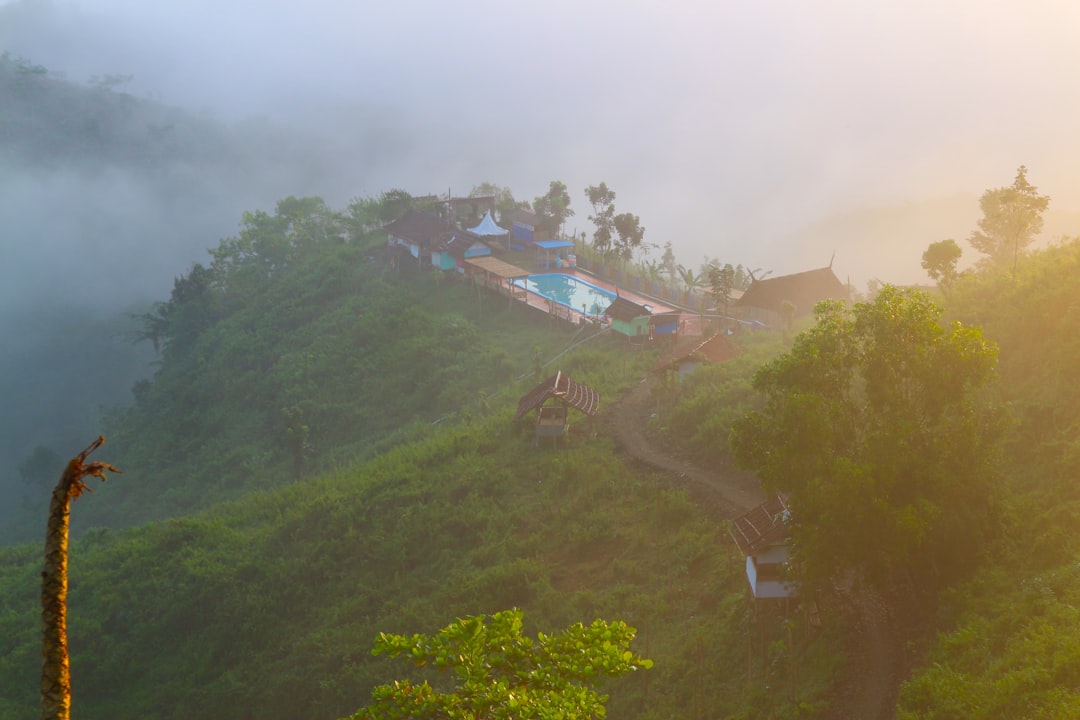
x,y
762,535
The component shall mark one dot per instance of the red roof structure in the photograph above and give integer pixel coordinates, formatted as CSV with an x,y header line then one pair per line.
x,y
565,390
718,348
804,290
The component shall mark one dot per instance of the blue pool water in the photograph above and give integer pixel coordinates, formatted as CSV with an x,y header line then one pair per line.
x,y
570,291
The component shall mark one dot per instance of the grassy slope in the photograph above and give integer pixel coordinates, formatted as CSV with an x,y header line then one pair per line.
x,y
1009,645
267,607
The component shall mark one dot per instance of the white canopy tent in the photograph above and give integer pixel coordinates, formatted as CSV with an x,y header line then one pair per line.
x,y
488,228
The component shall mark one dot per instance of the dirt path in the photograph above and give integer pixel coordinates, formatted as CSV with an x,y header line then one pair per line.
x,y
870,695
734,491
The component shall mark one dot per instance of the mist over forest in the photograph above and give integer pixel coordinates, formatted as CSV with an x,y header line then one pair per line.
x,y
780,137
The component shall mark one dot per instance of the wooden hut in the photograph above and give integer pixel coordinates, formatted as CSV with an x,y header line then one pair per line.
x,y
629,318
764,299
688,357
552,398
762,535
418,231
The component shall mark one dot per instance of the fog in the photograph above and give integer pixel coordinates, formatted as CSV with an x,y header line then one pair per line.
x,y
777,135
730,128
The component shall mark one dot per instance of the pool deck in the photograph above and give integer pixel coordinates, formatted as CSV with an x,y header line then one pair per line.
x,y
691,324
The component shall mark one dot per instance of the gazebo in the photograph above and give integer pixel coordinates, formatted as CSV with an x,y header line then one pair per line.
x,y
547,246
552,420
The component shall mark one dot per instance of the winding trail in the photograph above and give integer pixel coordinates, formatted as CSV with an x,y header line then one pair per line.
x,y
877,657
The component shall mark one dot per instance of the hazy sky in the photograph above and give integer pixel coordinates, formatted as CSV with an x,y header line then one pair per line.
x,y
729,127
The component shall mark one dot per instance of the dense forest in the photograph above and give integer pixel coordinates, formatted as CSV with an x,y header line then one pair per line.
x,y
107,197
324,450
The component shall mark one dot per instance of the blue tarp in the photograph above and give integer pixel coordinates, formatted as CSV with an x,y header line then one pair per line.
x,y
487,227
523,231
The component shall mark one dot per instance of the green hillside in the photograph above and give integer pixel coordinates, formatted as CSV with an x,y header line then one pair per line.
x,y
359,419
294,350
267,607
325,451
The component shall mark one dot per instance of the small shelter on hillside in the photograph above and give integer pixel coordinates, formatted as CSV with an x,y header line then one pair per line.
x,y
418,231
455,247
552,398
804,290
488,230
762,535
688,357
629,318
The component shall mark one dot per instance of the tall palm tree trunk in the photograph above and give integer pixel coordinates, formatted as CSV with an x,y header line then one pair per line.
x,y
55,668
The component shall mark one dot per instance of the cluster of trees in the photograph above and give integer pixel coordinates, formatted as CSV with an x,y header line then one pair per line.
x,y
621,234
1012,217
933,449
872,427
618,234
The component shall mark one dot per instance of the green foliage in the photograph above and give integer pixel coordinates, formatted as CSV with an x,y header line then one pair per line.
x,y
697,417
504,198
1012,217
1009,641
292,352
266,606
603,202
631,235
939,260
721,283
553,208
872,425
498,672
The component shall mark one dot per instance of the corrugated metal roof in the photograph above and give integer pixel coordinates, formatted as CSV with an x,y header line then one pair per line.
x,y
625,310
762,527
560,386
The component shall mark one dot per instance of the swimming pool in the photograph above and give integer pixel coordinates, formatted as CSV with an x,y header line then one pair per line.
x,y
570,291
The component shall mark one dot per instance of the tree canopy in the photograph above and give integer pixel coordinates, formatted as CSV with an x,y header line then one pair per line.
x,y
873,428
501,673
602,200
1012,217
631,235
553,208
939,260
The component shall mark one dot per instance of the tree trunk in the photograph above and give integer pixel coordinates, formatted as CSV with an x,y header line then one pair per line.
x,y
55,667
